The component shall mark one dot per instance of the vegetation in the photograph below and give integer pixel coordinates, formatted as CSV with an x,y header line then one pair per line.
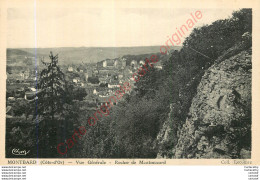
x,y
131,129
54,115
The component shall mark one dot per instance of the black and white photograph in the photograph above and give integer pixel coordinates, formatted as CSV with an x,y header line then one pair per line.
x,y
130,83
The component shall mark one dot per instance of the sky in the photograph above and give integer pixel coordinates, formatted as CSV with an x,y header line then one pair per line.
x,y
106,27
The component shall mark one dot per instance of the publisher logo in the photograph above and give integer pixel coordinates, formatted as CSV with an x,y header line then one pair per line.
x,y
20,153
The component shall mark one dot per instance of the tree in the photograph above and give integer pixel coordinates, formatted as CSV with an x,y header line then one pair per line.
x,y
58,115
22,107
79,94
93,80
52,88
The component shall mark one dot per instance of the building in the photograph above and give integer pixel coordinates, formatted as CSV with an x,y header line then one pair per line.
x,y
26,74
103,80
32,95
89,72
116,63
9,112
158,65
133,64
123,60
104,63
110,63
70,69
95,92
113,85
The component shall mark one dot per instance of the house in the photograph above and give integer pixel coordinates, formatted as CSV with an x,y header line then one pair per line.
x,y
103,100
19,92
76,80
100,65
95,92
113,85
32,89
123,60
80,69
103,72
133,64
21,76
86,76
32,95
11,98
26,74
70,69
120,76
158,67
102,80
90,73
110,63
141,63
9,112
104,63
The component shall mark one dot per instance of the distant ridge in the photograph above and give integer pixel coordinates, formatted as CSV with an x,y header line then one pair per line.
x,y
17,52
77,55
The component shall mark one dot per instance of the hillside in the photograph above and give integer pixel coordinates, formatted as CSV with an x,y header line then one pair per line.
x,y
210,116
197,106
218,124
18,52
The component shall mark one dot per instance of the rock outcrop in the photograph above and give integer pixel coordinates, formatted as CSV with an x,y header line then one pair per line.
x,y
219,122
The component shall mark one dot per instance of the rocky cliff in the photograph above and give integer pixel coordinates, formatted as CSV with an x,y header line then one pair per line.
x,y
219,121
